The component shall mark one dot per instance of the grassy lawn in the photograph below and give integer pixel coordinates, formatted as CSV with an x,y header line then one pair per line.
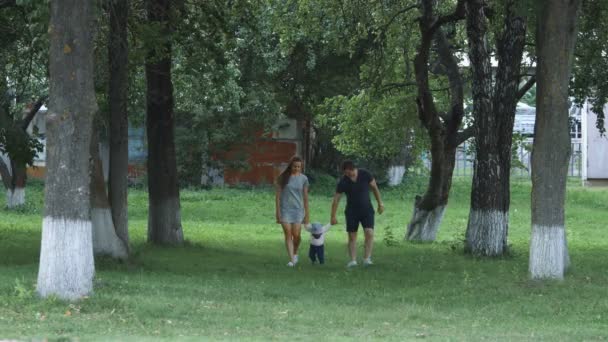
x,y
230,281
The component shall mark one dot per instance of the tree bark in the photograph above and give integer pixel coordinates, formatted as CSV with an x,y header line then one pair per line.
x,y
164,218
555,40
105,239
66,254
442,129
15,194
119,123
494,115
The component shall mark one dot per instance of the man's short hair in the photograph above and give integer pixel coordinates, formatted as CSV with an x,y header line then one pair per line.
x,y
348,165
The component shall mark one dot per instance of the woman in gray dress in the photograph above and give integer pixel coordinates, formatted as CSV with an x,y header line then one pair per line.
x,y
292,206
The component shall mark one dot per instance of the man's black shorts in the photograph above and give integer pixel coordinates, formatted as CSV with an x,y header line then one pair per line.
x,y
353,219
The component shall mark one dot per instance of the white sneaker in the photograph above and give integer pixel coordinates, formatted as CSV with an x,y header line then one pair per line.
x,y
367,262
295,259
290,264
352,263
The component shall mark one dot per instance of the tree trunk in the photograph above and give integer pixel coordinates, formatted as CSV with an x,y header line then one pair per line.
x,y
66,253
429,209
164,218
15,194
555,38
442,128
119,123
488,224
105,239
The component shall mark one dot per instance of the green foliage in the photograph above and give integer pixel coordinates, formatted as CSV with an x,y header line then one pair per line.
x,y
23,59
368,127
590,69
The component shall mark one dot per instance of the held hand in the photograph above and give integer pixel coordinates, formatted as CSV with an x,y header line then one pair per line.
x,y
278,216
306,220
334,221
380,208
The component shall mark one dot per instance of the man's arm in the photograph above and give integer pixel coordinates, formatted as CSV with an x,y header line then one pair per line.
x,y
376,192
334,207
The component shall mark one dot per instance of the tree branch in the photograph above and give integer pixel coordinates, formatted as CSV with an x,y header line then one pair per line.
x,y
32,113
7,3
524,89
447,59
391,86
464,135
458,14
392,19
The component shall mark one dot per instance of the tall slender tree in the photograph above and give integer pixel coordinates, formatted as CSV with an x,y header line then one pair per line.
x,y
164,217
555,41
118,54
66,254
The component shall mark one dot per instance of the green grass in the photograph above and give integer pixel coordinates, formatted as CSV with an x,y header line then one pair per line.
x,y
230,281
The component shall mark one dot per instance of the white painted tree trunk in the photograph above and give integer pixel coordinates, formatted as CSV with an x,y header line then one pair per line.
x,y
105,240
395,175
66,259
67,266
548,252
487,232
424,224
15,198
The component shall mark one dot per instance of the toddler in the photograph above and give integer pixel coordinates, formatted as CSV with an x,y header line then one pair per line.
x,y
317,239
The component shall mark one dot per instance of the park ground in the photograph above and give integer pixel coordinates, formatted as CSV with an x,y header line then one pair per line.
x,y
230,281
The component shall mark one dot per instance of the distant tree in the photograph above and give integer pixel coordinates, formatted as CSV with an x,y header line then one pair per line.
x,y
23,89
164,212
590,67
118,55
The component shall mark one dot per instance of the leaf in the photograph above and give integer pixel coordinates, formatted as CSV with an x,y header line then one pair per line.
x,y
67,49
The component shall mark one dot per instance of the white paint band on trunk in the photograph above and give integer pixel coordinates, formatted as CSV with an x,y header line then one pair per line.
x,y
548,253
487,232
15,198
67,266
425,224
105,240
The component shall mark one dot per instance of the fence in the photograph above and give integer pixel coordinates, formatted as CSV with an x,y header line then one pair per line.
x,y
465,157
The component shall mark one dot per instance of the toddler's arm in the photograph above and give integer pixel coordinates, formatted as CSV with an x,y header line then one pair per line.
x,y
326,227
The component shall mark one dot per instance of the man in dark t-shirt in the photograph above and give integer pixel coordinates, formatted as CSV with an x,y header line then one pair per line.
x,y
356,184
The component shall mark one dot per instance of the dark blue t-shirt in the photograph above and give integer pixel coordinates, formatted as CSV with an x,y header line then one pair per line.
x,y
357,193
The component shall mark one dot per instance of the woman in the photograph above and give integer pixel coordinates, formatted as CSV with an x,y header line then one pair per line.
x,y
292,206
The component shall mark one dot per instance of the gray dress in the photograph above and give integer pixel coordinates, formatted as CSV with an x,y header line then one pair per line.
x,y
292,199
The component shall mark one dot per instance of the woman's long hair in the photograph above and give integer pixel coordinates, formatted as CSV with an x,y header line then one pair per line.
x,y
283,178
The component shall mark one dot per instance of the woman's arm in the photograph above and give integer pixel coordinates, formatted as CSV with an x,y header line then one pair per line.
x,y
278,203
306,212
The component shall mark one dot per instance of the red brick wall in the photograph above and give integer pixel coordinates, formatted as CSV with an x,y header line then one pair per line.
x,y
266,159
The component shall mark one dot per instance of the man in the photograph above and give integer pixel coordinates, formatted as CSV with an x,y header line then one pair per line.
x,y
356,184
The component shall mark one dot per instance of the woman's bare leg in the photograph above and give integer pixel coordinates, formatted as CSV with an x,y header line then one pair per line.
x,y
288,239
296,230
